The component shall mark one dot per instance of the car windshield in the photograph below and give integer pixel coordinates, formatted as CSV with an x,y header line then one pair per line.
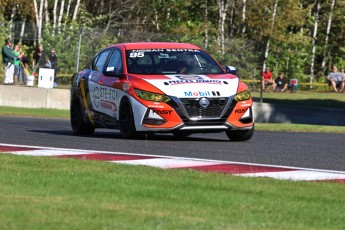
x,y
171,61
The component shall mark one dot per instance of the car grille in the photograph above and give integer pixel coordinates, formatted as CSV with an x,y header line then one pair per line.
x,y
195,110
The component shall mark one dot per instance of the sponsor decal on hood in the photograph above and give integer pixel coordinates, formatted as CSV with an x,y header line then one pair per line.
x,y
194,86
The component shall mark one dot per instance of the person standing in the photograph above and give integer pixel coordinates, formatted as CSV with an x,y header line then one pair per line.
x,y
53,60
24,65
17,67
40,57
8,60
267,78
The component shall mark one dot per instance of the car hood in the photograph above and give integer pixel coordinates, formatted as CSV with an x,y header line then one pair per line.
x,y
194,86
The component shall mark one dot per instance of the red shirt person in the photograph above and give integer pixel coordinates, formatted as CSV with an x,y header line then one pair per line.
x,y
267,78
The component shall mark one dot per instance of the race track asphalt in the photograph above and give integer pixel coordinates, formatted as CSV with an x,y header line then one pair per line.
x,y
307,150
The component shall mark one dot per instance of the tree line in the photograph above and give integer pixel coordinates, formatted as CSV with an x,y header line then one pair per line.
x,y
301,38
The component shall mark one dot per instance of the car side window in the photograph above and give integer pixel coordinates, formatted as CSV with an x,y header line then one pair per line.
x,y
100,61
93,63
115,62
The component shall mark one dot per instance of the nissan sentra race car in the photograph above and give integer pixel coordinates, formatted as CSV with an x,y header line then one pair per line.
x,y
160,87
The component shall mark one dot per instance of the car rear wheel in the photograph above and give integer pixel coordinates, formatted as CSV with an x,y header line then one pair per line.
x,y
79,126
126,120
240,135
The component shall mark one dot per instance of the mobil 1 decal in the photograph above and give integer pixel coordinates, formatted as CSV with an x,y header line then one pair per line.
x,y
188,79
195,86
103,99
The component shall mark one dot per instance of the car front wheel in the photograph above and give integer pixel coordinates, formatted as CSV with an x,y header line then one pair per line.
x,y
126,120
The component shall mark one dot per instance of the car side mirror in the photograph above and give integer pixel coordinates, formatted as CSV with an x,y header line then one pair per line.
x,y
112,72
231,70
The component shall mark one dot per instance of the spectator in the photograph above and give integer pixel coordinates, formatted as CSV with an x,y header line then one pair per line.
x,y
267,78
53,60
24,65
17,69
8,60
281,83
336,80
40,57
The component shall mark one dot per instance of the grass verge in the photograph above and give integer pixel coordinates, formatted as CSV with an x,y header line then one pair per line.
x,y
303,98
50,193
283,127
33,112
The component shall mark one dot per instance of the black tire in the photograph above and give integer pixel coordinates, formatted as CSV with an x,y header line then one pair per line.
x,y
240,135
79,126
126,120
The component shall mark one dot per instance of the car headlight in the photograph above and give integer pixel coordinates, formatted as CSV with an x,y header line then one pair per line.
x,y
148,96
242,96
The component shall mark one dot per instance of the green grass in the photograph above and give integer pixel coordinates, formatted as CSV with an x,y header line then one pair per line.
x,y
303,98
49,193
285,127
33,112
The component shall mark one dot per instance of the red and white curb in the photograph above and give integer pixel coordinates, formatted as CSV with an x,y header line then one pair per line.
x,y
165,162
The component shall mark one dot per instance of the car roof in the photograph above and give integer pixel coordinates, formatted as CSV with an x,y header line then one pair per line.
x,y
157,45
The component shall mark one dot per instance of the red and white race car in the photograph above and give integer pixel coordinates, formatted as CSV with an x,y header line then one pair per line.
x,y
160,87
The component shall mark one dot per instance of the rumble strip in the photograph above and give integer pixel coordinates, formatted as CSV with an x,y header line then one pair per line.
x,y
227,167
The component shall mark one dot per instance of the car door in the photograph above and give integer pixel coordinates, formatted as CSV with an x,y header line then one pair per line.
x,y
98,92
105,92
114,66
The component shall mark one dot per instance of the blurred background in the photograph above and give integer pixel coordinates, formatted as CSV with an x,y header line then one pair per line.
x,y
301,38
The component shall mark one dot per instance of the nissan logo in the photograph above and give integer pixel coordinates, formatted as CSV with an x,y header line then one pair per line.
x,y
204,102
